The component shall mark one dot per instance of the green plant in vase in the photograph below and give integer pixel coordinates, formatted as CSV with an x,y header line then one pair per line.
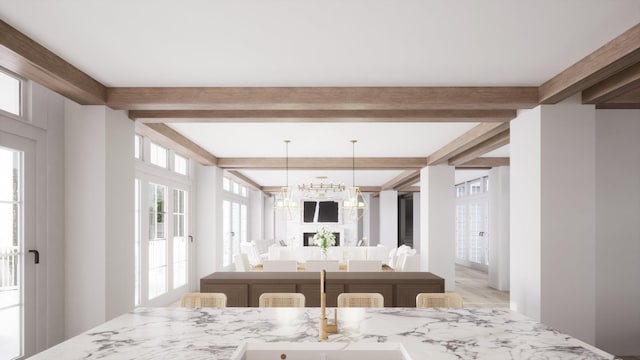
x,y
324,238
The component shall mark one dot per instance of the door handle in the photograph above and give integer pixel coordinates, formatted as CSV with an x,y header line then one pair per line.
x,y
36,254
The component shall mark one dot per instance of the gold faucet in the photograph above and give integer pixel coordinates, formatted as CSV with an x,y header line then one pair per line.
x,y
325,327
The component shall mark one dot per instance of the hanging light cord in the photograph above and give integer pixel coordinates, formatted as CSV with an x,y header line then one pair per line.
x,y
287,161
353,162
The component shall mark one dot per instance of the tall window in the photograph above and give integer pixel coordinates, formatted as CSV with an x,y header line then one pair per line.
x,y
179,238
472,203
234,219
234,228
11,100
137,240
137,147
157,240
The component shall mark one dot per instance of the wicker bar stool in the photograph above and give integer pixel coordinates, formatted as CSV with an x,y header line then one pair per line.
x,y
441,300
200,300
281,300
373,300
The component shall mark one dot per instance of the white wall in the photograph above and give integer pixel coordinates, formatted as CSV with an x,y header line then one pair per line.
x,y
388,218
119,220
617,231
437,222
85,153
208,241
99,223
499,228
568,218
269,230
416,221
525,213
257,216
370,220
553,216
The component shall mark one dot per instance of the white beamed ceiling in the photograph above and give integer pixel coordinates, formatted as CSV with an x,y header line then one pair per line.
x,y
322,139
321,43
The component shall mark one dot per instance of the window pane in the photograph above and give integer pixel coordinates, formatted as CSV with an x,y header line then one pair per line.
x,y
226,184
157,241
158,155
137,240
236,188
10,90
226,233
460,232
235,228
460,190
180,164
137,146
476,187
9,175
179,238
243,191
243,223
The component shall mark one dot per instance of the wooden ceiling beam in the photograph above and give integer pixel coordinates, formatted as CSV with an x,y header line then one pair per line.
x,y
471,138
274,189
166,136
27,58
362,163
322,98
264,116
491,144
612,57
614,86
244,179
485,162
411,189
406,178
628,100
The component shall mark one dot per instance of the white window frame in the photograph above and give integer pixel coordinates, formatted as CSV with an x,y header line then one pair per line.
x,y
25,92
146,173
243,236
167,156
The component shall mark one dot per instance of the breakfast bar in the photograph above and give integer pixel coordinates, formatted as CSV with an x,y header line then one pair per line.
x,y
425,333
399,289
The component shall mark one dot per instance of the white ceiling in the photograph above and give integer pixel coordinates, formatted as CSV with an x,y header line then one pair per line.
x,y
363,177
503,151
322,139
322,43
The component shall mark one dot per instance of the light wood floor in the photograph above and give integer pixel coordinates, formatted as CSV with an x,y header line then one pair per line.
x,y
473,286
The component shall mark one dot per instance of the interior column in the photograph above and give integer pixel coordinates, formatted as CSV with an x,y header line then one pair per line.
x,y
437,222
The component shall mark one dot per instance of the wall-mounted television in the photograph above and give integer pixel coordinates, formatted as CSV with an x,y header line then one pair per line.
x,y
320,212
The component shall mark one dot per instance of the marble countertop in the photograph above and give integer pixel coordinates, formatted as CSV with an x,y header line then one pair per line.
x,y
180,333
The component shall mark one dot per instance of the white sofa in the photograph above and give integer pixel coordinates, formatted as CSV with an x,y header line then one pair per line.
x,y
340,253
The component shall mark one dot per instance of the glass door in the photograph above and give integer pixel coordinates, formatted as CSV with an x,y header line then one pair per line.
x,y
17,285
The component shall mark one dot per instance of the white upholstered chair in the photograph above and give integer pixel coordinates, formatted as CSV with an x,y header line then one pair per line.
x,y
279,265
410,263
374,300
319,265
241,261
364,265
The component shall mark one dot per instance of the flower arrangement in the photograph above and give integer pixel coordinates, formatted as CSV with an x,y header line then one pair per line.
x,y
324,238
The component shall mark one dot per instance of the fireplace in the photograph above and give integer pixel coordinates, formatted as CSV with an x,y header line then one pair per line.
x,y
308,238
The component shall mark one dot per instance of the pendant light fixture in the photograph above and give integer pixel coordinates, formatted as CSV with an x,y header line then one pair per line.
x,y
355,204
284,199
